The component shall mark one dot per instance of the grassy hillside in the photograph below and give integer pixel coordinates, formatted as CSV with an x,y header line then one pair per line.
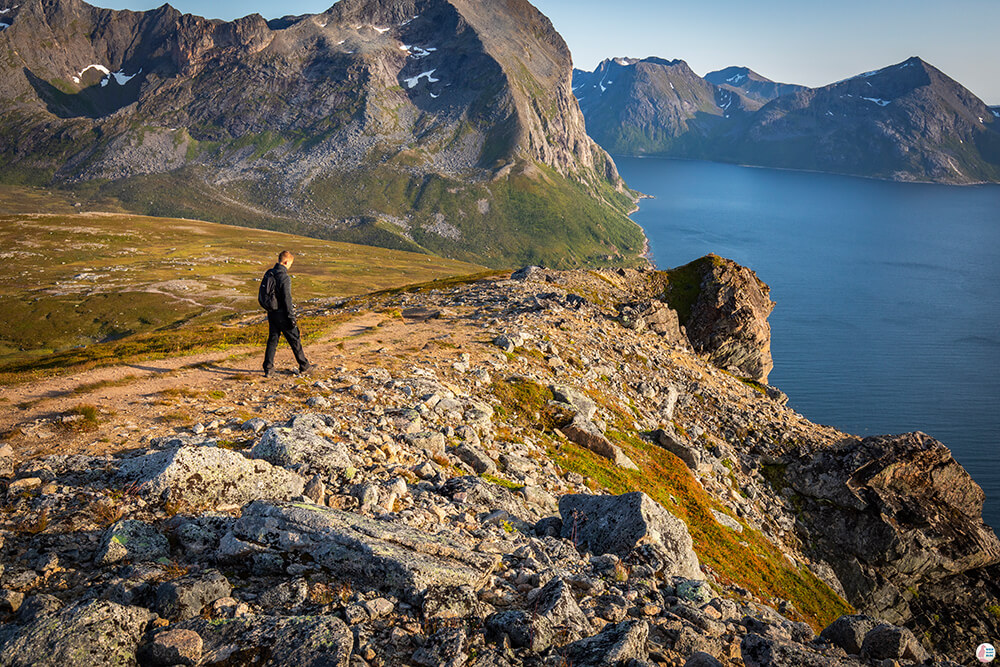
x,y
74,279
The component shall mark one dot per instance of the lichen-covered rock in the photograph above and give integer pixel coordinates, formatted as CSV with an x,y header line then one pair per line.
x,y
728,318
210,477
373,554
299,446
617,524
185,597
134,541
615,646
81,635
272,641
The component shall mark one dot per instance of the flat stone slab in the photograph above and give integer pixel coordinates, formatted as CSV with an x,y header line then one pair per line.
x,y
210,477
297,446
372,554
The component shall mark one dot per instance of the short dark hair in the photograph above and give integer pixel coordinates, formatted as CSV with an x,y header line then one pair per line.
x,y
283,255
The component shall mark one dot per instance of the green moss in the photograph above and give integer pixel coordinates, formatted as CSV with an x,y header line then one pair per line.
x,y
500,481
775,474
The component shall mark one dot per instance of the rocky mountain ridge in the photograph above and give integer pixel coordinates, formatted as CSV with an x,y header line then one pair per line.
x,y
446,126
905,122
526,469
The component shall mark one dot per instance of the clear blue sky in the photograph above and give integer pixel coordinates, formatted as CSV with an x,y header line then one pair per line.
x,y
795,41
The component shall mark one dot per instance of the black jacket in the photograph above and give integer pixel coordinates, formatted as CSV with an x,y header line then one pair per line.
x,y
283,291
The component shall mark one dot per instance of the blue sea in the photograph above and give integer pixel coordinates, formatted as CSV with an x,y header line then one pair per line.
x,y
887,315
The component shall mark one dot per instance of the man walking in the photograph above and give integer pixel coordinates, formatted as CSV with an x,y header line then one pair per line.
x,y
276,296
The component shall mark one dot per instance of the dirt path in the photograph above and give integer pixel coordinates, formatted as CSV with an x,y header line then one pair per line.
x,y
135,397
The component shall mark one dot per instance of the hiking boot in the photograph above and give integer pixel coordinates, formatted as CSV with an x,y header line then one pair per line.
x,y
269,373
305,369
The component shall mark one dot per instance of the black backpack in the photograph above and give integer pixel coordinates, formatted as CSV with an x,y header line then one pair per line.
x,y
267,294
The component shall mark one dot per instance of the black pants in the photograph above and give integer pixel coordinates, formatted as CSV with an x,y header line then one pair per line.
x,y
278,325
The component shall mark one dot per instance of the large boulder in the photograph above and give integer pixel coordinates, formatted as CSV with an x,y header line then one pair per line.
x,y
724,309
300,447
886,641
554,619
615,646
210,477
81,635
848,632
372,554
270,641
618,524
891,513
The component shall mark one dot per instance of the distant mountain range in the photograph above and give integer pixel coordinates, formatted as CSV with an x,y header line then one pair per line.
x,y
907,122
446,126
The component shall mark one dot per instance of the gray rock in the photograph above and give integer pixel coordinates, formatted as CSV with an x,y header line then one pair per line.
x,y
429,440
586,434
315,490
615,646
725,520
758,651
372,554
848,632
676,444
175,647
210,477
285,594
185,597
694,591
581,404
617,524
702,659
36,606
82,635
272,641
451,602
134,541
446,648
10,601
255,425
294,447
891,641
554,620
476,459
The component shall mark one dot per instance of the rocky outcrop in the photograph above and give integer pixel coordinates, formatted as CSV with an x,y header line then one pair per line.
x,y
726,315
618,524
375,554
209,477
891,514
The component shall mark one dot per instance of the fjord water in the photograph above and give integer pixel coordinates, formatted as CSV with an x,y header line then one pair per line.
x,y
887,315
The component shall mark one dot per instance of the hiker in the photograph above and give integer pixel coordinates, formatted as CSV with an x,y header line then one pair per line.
x,y
275,296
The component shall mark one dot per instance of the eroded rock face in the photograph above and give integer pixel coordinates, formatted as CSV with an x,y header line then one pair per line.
x,y
728,319
375,554
891,513
210,476
617,524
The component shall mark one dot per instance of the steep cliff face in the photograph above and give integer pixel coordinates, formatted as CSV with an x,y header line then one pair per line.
x,y
724,308
448,126
891,515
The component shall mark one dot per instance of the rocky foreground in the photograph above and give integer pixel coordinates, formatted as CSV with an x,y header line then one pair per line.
x,y
445,501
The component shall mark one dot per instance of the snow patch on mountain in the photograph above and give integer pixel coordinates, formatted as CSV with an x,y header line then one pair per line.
x,y
429,75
